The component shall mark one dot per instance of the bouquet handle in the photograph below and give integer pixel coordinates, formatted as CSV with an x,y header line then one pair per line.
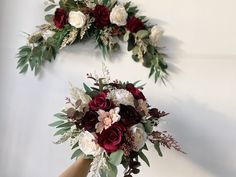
x,y
79,168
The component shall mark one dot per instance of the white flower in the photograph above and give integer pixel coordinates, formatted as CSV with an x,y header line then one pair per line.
x,y
140,136
156,33
79,94
77,19
106,119
119,15
47,33
121,96
87,144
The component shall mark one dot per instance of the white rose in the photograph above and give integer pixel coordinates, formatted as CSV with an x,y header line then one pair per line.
x,y
121,96
140,136
47,33
119,15
77,19
87,144
156,33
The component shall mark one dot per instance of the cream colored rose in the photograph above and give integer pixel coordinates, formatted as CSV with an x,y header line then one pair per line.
x,y
77,19
140,136
119,15
87,144
156,33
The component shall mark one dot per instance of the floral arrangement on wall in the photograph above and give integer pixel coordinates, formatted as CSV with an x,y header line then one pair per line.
x,y
106,21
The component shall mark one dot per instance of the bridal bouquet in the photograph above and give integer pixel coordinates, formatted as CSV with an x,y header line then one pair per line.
x,y
105,21
111,123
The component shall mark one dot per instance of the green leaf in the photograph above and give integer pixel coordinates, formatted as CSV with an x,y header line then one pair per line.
x,y
50,7
157,74
151,71
66,125
49,18
103,173
142,34
52,1
135,50
61,116
143,157
136,82
127,5
105,2
112,170
24,69
76,154
148,125
75,146
54,124
116,157
145,147
86,88
157,147
61,131
131,42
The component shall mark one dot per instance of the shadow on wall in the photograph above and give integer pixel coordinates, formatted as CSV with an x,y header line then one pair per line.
x,y
206,135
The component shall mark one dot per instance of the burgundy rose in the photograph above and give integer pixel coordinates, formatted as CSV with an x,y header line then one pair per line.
x,y
134,24
60,18
100,102
102,16
89,121
135,91
110,139
129,115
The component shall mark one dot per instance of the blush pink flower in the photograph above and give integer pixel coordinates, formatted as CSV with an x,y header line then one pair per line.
x,y
106,119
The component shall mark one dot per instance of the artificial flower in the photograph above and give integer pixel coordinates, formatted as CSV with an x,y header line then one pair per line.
x,y
87,144
156,33
47,34
129,115
119,15
89,120
60,18
106,119
135,91
139,135
77,19
110,139
101,15
100,102
121,96
134,24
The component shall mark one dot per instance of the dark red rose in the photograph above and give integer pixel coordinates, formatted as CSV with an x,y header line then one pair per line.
x,y
134,24
135,91
129,115
60,18
100,102
102,16
110,139
89,120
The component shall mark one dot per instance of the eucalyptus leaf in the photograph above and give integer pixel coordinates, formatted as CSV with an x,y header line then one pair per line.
x,y
67,124
116,157
157,147
61,131
76,154
112,170
50,7
148,125
143,157
49,18
54,124
142,34
60,116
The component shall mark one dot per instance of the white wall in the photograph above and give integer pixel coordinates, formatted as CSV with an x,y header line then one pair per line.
x,y
200,40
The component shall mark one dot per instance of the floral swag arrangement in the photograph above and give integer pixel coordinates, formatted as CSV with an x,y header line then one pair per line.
x,y
111,123
106,21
